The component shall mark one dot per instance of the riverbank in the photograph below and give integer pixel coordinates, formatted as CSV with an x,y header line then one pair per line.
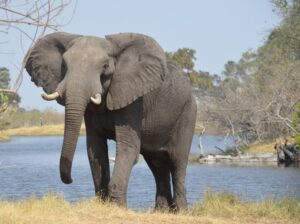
x,y
261,147
3,137
58,130
259,153
220,208
45,130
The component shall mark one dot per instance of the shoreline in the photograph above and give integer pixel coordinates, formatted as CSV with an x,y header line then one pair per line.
x,y
58,130
49,130
45,130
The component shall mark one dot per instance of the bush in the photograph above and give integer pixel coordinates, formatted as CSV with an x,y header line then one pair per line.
x,y
296,124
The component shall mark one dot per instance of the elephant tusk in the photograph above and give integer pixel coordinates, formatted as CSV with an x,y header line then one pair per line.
x,y
51,96
96,99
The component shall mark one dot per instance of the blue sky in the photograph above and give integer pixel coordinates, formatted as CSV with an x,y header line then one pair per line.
x,y
218,30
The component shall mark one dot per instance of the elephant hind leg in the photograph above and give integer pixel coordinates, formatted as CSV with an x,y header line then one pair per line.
x,y
159,165
179,148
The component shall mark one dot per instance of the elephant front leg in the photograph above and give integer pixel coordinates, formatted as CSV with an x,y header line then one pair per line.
x,y
127,152
127,131
99,163
98,158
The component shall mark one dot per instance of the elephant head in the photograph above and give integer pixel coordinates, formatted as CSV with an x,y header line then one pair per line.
x,y
78,70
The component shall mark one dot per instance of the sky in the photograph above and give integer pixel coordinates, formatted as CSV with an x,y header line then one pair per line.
x,y
218,30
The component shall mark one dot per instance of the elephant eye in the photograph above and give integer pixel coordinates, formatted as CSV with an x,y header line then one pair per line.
x,y
105,66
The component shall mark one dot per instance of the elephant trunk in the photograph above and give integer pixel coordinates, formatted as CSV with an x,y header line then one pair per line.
x,y
75,108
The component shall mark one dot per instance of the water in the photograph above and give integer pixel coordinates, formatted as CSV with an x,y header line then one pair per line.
x,y
29,166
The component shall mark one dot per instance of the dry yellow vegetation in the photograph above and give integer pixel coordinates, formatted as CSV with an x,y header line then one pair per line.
x,y
3,137
261,147
216,209
39,130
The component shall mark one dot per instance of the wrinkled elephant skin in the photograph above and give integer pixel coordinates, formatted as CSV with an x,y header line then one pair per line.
x,y
124,88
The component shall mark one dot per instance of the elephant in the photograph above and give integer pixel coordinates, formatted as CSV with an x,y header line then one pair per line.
x,y
126,90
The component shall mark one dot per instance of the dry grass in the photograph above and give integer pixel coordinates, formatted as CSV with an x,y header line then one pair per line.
x,y
228,206
39,130
216,209
261,147
3,137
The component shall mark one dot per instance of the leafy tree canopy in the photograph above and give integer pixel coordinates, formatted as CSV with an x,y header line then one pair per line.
x,y
5,84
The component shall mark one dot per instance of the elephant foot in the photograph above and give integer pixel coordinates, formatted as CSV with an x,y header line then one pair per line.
x,y
102,194
163,204
116,196
118,201
179,204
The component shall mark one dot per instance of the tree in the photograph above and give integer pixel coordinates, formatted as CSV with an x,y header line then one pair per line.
x,y
10,98
184,58
296,124
30,19
259,93
4,78
203,82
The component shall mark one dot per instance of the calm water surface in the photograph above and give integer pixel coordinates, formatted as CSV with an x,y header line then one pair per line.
x,y
29,166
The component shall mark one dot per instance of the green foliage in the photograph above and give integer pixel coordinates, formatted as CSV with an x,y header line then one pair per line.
x,y
203,80
4,78
286,7
296,124
5,84
257,95
3,102
184,58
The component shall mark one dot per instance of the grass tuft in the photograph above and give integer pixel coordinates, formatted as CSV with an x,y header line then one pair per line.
x,y
226,205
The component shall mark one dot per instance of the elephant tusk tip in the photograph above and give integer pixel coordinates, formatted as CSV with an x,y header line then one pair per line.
x,y
97,99
43,96
50,97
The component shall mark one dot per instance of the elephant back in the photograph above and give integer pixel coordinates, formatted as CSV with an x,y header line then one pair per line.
x,y
166,103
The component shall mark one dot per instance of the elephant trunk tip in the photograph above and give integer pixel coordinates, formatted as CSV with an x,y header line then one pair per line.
x,y
65,170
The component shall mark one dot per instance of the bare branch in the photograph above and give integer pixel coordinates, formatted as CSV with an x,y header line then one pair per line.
x,y
8,91
41,14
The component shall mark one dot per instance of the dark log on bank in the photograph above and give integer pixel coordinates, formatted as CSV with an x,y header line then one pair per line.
x,y
287,153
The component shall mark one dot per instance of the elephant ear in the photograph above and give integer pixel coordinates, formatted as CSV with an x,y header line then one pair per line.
x,y
44,60
140,68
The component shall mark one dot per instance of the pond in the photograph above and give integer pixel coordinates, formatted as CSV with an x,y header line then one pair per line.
x,y
29,166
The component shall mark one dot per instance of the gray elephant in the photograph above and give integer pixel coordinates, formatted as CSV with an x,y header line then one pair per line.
x,y
125,90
